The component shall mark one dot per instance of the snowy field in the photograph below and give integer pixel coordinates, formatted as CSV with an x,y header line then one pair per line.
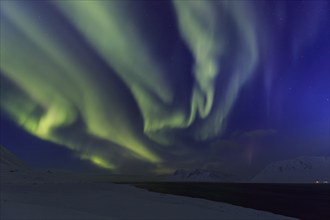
x,y
109,201
74,200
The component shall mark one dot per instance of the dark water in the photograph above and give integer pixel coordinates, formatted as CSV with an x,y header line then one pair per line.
x,y
304,201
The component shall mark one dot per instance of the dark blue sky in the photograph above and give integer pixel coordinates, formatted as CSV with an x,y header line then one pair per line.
x,y
141,87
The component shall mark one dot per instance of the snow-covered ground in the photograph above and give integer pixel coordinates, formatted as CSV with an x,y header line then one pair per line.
x,y
26,194
298,170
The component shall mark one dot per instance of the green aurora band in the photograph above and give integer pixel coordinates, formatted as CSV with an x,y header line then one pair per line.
x,y
60,95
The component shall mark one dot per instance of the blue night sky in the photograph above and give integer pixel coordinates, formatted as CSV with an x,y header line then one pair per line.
x,y
143,87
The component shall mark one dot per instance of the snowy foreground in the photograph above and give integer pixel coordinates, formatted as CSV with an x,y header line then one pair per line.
x,y
27,194
39,198
109,201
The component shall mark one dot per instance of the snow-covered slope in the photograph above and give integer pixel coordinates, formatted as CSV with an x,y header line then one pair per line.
x,y
13,170
199,175
298,170
9,162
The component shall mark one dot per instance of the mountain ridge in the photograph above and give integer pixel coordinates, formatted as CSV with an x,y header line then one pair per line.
x,y
304,169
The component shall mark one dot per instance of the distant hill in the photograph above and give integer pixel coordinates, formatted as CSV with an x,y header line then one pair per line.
x,y
298,170
13,170
9,162
199,175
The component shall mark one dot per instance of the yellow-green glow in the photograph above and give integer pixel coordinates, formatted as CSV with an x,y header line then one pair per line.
x,y
90,97
197,20
57,82
99,161
125,48
203,26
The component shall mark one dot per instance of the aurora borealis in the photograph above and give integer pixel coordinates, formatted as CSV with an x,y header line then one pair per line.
x,y
148,87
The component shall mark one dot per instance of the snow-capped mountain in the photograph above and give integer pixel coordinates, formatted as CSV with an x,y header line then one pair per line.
x,y
199,175
298,170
